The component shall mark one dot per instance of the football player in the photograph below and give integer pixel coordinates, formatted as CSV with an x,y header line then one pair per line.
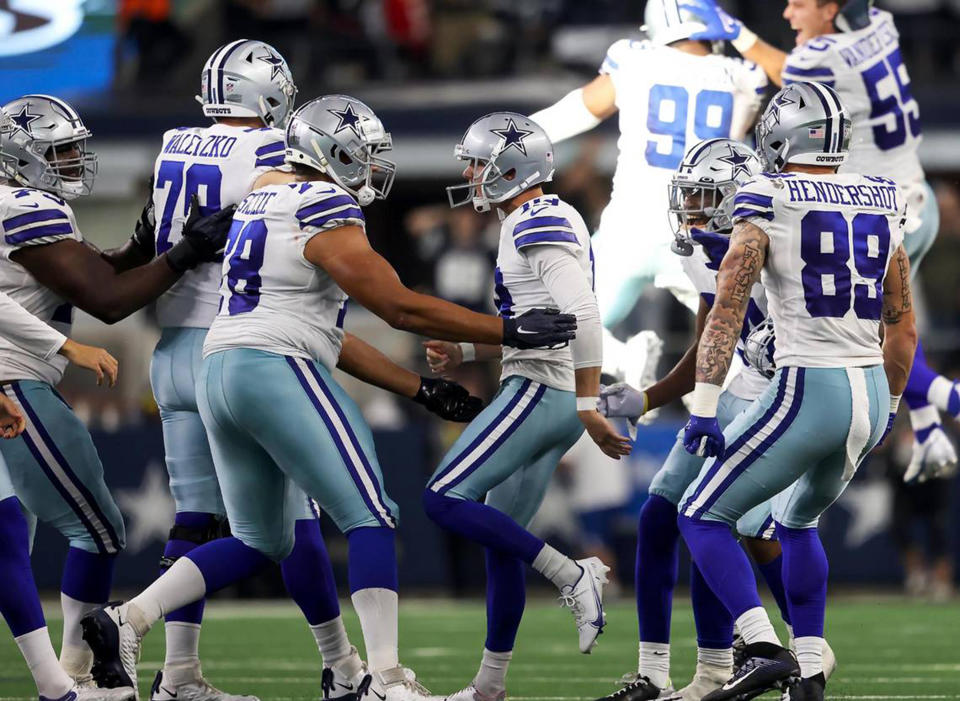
x,y
701,206
47,268
828,249
273,412
670,91
855,49
547,397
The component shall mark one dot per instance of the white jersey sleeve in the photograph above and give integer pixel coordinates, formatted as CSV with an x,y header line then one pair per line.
x,y
27,331
34,218
831,238
750,84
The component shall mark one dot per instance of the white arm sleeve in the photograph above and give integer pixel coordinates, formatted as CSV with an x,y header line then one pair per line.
x,y
566,282
567,117
19,326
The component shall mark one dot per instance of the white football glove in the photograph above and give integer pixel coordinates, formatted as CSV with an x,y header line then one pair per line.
x,y
935,458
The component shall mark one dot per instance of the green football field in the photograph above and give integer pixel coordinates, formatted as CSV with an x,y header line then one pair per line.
x,y
887,649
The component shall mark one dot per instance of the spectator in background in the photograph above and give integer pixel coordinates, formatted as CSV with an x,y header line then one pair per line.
x,y
148,27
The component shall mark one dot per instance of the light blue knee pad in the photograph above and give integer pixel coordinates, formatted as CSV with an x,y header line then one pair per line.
x,y
56,473
510,450
918,243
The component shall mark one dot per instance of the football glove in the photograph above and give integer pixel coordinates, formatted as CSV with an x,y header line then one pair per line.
x,y
702,436
539,328
203,238
933,457
448,400
622,400
144,231
720,26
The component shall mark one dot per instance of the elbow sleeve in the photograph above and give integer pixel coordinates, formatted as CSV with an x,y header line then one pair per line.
x,y
567,117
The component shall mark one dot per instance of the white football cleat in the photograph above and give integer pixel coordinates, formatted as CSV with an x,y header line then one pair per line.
x,y
343,679
116,646
707,678
935,457
584,598
395,684
85,689
471,693
196,689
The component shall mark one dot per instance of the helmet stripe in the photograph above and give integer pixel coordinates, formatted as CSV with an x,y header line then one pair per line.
x,y
701,148
226,54
830,120
70,112
211,62
671,12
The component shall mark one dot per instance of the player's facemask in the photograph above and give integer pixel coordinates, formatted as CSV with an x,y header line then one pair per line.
x,y
700,205
72,169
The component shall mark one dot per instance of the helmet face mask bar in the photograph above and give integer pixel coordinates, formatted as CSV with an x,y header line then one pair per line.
x,y
43,144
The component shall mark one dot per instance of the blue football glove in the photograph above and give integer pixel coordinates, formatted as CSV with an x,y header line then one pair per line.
x,y
702,436
720,25
886,431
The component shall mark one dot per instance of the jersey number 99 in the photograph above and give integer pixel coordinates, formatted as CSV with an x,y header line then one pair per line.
x,y
667,116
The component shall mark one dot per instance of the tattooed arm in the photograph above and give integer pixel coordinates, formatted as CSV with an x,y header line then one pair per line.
x,y
739,271
899,328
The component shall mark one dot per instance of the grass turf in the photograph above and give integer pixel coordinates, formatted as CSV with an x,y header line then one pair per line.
x,y
887,649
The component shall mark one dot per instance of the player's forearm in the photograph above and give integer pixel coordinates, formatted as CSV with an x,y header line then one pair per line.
x,y
587,381
899,325
769,58
899,347
118,297
367,364
126,257
567,117
676,383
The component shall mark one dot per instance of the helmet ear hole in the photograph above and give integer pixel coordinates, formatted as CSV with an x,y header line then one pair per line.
x,y
273,102
510,174
776,145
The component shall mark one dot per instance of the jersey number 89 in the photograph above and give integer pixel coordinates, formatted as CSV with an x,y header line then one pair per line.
x,y
667,116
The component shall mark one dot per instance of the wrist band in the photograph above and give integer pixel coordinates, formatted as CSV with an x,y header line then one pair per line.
x,y
469,352
744,41
705,399
587,403
894,403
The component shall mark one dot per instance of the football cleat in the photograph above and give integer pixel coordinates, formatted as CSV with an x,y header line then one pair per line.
x,y
584,598
343,679
115,645
808,689
85,689
766,667
707,678
198,689
637,687
395,684
472,693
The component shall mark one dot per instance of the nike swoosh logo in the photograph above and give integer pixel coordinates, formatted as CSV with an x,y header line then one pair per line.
x,y
30,206
524,331
167,691
348,687
535,212
382,697
732,684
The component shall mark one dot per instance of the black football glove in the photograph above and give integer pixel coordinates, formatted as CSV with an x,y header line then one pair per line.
x,y
203,238
144,231
448,400
539,328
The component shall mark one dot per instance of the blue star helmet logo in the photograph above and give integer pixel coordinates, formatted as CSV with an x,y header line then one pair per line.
x,y
737,160
779,101
24,119
276,64
512,137
348,120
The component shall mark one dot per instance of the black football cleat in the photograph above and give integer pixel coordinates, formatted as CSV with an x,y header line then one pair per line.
x,y
766,667
809,689
640,689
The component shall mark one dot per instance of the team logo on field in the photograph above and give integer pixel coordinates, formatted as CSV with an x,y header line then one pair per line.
x,y
33,25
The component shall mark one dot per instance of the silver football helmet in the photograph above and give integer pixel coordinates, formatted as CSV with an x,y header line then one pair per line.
x,y
342,137
804,123
759,347
854,15
247,78
508,153
667,21
43,144
703,187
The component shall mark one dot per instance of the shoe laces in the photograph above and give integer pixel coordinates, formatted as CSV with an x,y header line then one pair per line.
x,y
569,600
631,682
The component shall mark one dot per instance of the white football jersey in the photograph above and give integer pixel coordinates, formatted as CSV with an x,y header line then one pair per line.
x,y
831,240
669,100
702,268
542,221
219,164
271,297
866,68
33,218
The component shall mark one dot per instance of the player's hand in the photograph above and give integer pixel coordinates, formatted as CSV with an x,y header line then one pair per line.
x,y
605,435
144,231
448,400
12,422
622,400
443,356
886,431
99,361
203,238
539,328
720,25
932,458
702,436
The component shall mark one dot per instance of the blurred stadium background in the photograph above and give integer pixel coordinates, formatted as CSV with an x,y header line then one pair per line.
x,y
428,67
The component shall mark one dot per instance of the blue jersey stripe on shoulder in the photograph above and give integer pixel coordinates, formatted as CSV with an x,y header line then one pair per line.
x,y
788,81
32,218
754,199
747,213
537,222
270,148
347,213
545,237
269,162
40,232
808,72
324,206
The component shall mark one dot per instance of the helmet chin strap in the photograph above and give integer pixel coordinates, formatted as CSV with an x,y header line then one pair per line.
x,y
366,195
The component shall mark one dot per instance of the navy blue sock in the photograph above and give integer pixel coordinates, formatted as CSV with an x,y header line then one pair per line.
x,y
714,622
722,562
805,571
919,381
191,613
656,568
482,524
773,575
19,601
506,596
225,561
308,574
372,558
87,576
